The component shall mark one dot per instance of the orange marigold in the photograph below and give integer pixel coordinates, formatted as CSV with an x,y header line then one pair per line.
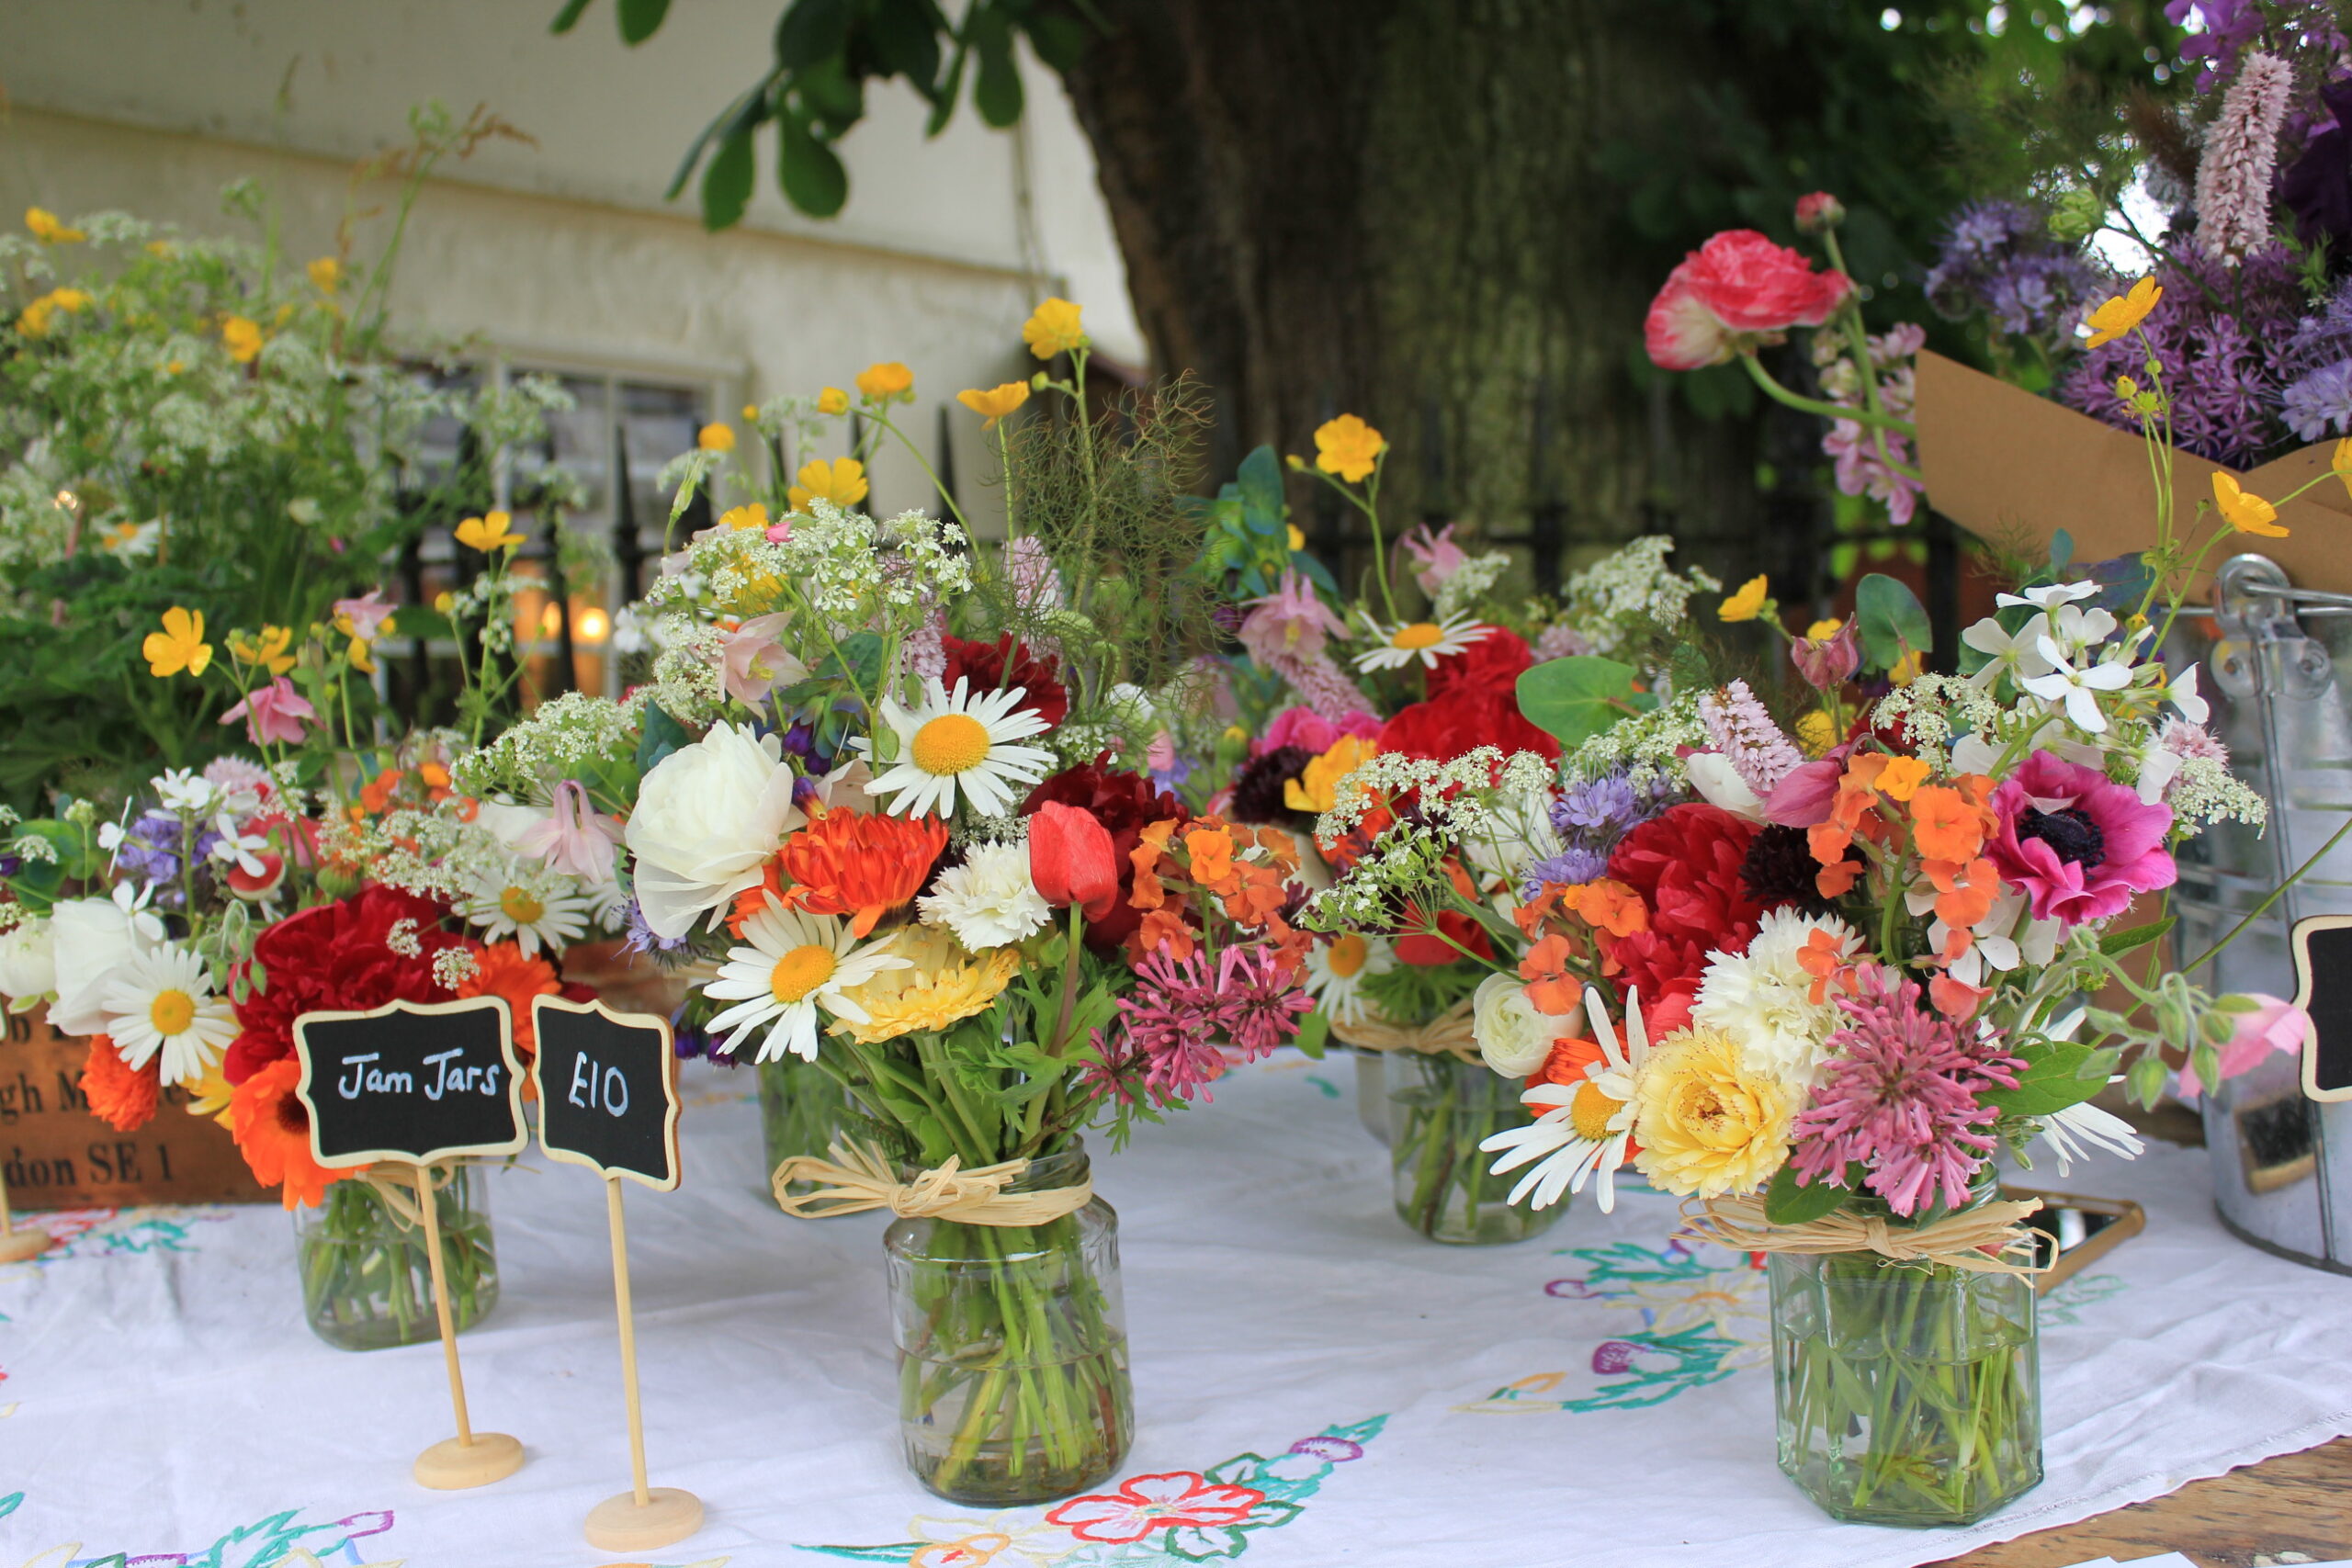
x,y
504,969
273,1130
849,862
122,1096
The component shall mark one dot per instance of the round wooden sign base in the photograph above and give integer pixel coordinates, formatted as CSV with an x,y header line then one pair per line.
x,y
25,1241
452,1466
617,1524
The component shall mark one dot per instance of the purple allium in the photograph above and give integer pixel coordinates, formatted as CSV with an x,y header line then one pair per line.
x,y
1749,738
1898,1096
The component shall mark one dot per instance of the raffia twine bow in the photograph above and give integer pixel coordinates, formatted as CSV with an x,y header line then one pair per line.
x,y
398,1191
1985,1239
857,1178
1450,1033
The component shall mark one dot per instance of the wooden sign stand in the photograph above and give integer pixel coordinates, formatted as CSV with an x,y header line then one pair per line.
x,y
388,1092
16,1246
608,1101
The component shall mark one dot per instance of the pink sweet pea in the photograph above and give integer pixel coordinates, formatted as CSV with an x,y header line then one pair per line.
x,y
1436,556
2272,1025
755,662
275,712
574,838
366,612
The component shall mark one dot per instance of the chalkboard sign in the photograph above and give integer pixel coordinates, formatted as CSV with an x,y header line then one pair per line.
x,y
608,1090
409,1081
2323,972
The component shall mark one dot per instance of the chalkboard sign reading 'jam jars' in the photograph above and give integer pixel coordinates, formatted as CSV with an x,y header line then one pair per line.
x,y
411,1081
608,1091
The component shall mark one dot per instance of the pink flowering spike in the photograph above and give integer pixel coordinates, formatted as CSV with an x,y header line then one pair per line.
x,y
2235,173
1749,738
2272,1025
574,838
1321,686
273,713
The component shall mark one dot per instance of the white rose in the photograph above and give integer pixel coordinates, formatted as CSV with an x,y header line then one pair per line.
x,y
90,939
1513,1037
27,962
707,816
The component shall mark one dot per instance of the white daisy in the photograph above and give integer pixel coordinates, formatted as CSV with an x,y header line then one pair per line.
x,y
796,964
1336,971
960,740
534,911
988,901
1590,1125
2066,1131
1428,641
161,1000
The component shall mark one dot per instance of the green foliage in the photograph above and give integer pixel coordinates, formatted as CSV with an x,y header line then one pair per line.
x,y
814,89
1578,698
1248,542
2053,1079
1416,993
1788,1204
1892,620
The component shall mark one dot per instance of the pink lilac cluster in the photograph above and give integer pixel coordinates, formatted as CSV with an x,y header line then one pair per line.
x,y
1169,1028
2241,158
1899,1097
1868,460
1748,738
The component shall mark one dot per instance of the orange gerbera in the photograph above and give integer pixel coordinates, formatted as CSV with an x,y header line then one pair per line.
x,y
121,1094
273,1130
504,969
856,863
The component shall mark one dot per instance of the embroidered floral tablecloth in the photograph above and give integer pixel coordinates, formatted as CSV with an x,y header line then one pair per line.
x,y
1313,1385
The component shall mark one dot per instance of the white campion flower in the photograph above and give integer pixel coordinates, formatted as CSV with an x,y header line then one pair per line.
x,y
707,817
2076,689
2012,653
2050,596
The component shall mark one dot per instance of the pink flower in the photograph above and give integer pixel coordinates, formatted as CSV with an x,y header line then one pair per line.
x,y
1310,731
1818,211
1803,796
2079,845
1828,662
2235,173
1736,288
1144,1504
275,712
754,661
574,838
1291,620
1259,998
366,612
1438,556
2272,1025
1748,738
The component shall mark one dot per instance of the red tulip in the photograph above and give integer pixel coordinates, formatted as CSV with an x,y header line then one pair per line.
x,y
1071,860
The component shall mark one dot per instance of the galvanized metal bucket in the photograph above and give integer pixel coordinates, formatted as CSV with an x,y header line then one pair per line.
x,y
2279,666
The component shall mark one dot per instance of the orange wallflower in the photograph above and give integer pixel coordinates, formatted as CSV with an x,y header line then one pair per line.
x,y
1946,824
1824,958
1902,777
121,1094
377,794
1550,988
273,1130
503,969
856,863
1956,1000
1965,893
1608,905
1211,849
1165,930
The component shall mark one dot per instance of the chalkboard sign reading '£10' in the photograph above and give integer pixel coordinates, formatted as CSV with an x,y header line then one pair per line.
x,y
608,1095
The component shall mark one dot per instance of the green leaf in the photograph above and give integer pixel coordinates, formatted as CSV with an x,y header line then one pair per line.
x,y
942,103
1578,698
811,30
2050,1083
1893,622
1788,1204
746,111
996,89
727,182
1313,1031
812,178
641,18
569,17
906,41
660,736
1258,482
1059,40
2115,944
835,98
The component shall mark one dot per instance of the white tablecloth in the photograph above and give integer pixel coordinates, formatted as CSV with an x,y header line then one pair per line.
x,y
1599,1396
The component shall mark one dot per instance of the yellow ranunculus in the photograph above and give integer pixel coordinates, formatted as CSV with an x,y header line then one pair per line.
x,y
241,338
1295,535
1905,669
1349,447
832,401
326,273
49,230
179,646
1053,327
1707,1125
1749,603
35,318
2342,462
2124,311
996,402
488,534
444,602
1816,732
1317,788
268,649
840,482
886,380
751,413
2243,510
716,437
1822,631
755,515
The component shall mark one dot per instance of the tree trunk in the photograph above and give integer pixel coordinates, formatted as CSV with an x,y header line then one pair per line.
x,y
1401,208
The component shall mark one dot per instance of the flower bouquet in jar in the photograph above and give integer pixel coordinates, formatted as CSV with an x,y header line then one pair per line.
x,y
895,808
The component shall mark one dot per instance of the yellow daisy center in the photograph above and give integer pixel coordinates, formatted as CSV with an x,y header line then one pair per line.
x,y
1590,1111
1418,636
172,1012
518,906
1347,956
952,743
801,970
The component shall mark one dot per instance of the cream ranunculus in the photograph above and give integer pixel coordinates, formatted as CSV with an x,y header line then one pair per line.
x,y
1513,1037
28,961
707,816
1707,1122
90,939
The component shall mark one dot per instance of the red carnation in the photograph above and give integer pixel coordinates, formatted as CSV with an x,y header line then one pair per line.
x,y
1490,664
993,666
1474,716
334,958
1685,864
1737,286
1125,803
